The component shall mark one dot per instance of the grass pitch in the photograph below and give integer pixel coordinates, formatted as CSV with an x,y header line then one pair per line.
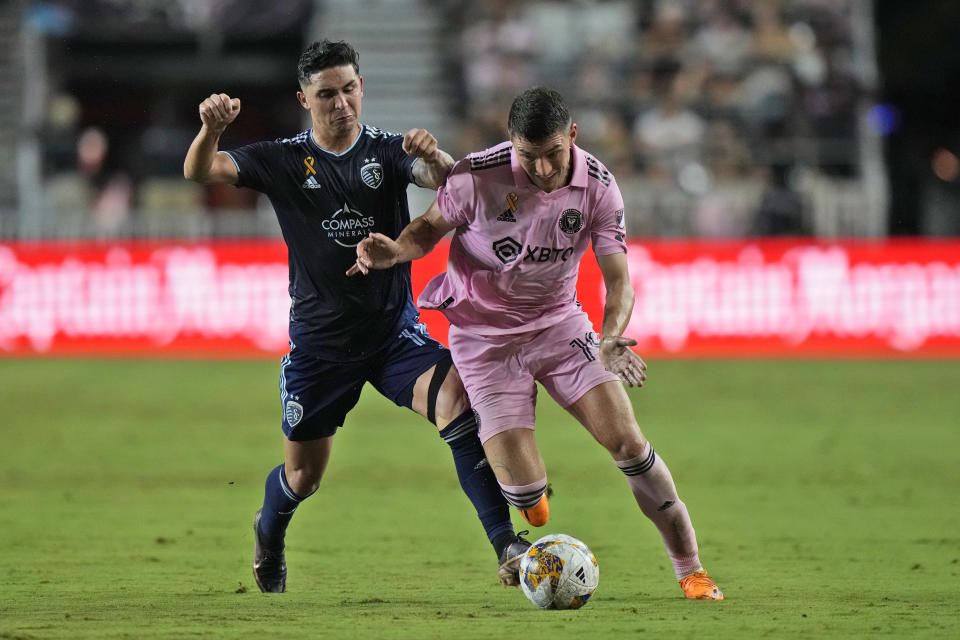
x,y
824,496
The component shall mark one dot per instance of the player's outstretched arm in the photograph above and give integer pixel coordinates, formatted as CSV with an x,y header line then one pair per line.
x,y
434,163
417,239
615,353
204,163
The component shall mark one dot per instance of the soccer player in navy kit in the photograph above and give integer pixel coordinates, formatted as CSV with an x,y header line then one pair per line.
x,y
330,186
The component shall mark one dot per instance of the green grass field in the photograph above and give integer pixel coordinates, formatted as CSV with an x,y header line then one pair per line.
x,y
825,497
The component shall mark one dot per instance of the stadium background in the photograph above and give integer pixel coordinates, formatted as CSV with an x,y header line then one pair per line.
x,y
791,177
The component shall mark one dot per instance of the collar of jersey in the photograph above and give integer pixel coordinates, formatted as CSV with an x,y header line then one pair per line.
x,y
345,151
578,177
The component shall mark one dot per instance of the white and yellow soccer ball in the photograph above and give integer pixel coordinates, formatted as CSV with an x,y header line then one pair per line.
x,y
559,572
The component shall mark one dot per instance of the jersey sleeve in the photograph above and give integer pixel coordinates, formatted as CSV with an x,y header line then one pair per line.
x,y
608,231
402,163
255,164
456,196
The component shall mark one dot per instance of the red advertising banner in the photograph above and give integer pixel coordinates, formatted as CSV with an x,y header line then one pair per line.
x,y
228,299
792,298
179,299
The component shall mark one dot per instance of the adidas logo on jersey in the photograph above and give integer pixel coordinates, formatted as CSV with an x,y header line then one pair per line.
x,y
311,183
507,215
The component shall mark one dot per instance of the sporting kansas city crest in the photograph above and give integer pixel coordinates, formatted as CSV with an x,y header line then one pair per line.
x,y
293,412
372,174
571,221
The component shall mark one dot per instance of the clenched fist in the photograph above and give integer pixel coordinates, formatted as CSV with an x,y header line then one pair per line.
x,y
419,143
218,111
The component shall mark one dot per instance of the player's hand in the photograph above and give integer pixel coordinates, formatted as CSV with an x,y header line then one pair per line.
x,y
617,357
218,111
419,143
374,252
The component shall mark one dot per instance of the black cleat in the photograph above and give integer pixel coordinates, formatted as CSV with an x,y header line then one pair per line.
x,y
510,557
269,566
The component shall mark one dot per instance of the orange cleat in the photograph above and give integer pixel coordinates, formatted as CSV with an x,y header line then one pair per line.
x,y
700,586
538,514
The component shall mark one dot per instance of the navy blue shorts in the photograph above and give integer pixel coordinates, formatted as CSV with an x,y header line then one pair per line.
x,y
317,394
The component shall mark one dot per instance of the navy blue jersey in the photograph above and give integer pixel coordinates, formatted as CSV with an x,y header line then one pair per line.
x,y
326,203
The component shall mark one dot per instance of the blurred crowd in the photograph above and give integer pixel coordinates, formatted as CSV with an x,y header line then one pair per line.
x,y
715,115
120,86
719,118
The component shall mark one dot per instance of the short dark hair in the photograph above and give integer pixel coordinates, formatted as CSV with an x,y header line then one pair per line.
x,y
324,54
538,113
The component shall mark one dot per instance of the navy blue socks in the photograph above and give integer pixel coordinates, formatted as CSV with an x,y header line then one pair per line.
x,y
279,503
474,472
476,476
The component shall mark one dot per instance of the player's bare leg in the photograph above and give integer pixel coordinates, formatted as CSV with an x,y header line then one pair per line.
x,y
286,487
521,472
607,414
438,395
450,401
305,463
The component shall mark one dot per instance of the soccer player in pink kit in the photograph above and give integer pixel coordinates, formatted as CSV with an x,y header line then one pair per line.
x,y
525,212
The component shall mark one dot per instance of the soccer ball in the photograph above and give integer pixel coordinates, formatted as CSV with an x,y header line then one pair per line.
x,y
559,572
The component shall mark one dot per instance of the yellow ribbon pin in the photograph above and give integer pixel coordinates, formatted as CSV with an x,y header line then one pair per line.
x,y
308,161
512,201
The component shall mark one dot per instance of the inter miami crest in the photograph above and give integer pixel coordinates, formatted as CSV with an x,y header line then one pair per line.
x,y
293,413
372,174
571,221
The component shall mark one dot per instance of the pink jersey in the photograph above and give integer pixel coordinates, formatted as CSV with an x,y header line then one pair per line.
x,y
516,251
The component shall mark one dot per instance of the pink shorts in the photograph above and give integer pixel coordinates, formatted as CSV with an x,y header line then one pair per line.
x,y
500,372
